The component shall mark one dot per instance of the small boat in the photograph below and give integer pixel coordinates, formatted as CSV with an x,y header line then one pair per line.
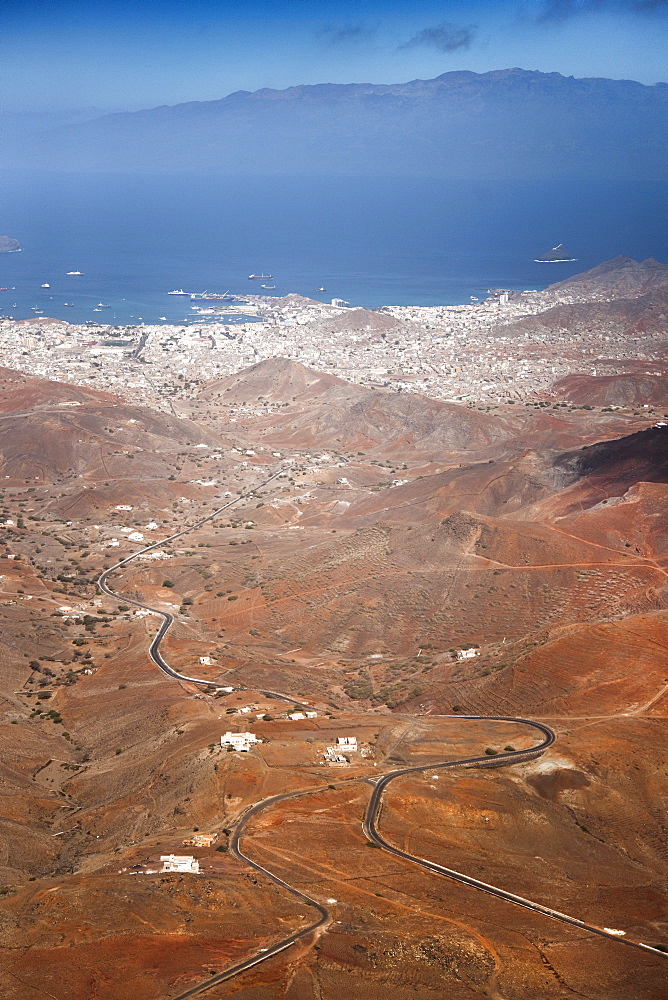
x,y
46,285
68,303
557,255
103,305
164,318
96,310
260,277
178,291
3,289
267,286
321,289
75,272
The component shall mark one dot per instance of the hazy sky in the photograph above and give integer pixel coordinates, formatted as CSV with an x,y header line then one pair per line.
x,y
129,54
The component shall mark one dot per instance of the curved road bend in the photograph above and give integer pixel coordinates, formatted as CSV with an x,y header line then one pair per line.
x,y
370,827
370,822
324,914
167,618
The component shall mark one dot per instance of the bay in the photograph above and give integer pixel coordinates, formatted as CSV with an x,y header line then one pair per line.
x,y
370,241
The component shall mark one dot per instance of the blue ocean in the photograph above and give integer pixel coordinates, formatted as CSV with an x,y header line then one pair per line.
x,y
371,241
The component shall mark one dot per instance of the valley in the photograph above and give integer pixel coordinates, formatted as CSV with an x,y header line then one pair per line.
x,y
392,560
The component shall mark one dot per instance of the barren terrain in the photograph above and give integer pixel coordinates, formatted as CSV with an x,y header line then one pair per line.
x,y
399,531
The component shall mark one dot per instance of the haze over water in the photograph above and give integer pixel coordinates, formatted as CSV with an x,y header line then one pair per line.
x,y
372,241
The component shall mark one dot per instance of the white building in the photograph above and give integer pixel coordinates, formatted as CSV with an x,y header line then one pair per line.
x,y
467,654
296,715
346,742
239,741
205,661
179,863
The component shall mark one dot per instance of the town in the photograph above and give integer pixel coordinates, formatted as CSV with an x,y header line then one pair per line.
x,y
474,353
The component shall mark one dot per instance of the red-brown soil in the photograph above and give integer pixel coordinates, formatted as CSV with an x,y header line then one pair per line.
x,y
351,581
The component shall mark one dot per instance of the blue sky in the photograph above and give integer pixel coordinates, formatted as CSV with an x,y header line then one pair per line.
x,y
130,54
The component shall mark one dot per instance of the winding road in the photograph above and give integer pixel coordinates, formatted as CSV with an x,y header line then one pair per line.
x,y
371,819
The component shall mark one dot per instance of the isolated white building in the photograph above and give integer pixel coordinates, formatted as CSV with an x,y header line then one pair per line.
x,y
467,654
179,863
239,741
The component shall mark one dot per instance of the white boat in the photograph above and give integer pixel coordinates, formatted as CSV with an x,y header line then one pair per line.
x,y
97,310
162,318
75,272
46,285
103,305
68,303
267,286
260,277
178,291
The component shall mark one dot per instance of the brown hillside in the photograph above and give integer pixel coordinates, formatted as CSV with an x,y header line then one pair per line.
x,y
619,277
614,390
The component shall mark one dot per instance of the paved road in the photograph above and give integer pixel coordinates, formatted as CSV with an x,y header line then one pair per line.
x,y
370,826
167,618
373,809
324,916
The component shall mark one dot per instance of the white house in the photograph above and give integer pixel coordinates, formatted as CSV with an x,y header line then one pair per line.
x,y
296,715
347,742
205,661
311,715
179,863
467,654
241,742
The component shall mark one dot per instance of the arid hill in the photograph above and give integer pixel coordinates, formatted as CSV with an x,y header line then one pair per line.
x,y
632,389
621,277
49,429
392,533
318,410
647,313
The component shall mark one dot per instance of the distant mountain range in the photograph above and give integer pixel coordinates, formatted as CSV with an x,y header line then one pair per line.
x,y
509,123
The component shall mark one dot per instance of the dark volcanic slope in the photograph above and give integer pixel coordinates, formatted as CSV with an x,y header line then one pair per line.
x,y
506,123
641,457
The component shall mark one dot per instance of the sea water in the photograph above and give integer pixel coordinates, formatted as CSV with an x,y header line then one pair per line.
x,y
370,241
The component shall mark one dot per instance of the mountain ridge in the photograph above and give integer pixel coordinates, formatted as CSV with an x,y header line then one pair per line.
x,y
504,123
